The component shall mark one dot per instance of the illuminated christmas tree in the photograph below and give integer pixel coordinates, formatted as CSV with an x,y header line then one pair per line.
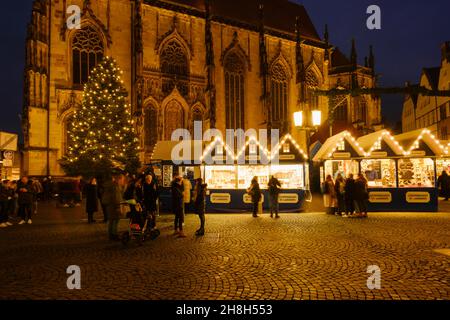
x,y
102,135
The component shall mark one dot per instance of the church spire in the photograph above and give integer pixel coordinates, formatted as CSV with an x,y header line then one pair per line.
x,y
371,62
353,55
326,38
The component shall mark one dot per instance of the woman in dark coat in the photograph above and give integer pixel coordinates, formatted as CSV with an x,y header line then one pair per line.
x,y
199,196
150,194
91,199
255,192
349,194
444,185
361,195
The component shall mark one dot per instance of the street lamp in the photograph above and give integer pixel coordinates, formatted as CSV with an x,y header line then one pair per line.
x,y
308,121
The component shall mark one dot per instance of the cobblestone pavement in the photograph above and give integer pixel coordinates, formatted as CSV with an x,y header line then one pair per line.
x,y
300,256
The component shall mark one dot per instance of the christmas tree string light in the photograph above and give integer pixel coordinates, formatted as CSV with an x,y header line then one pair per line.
x,y
102,135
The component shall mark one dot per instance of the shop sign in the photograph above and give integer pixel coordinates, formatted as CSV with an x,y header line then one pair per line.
x,y
380,197
220,198
418,153
418,197
341,155
288,198
286,157
248,198
378,154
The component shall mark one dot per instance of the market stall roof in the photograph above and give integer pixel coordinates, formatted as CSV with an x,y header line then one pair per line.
x,y
331,144
369,142
185,151
412,139
288,138
210,155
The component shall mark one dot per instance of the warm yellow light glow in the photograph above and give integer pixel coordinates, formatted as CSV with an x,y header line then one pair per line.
x,y
316,117
298,118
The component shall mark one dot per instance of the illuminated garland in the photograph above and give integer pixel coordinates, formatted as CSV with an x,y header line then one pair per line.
x,y
411,90
102,133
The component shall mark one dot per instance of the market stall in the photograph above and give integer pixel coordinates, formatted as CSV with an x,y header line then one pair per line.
x,y
417,190
380,169
399,178
171,158
228,174
340,154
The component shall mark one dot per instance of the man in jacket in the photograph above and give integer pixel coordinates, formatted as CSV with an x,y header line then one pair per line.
x,y
274,191
113,199
177,205
25,200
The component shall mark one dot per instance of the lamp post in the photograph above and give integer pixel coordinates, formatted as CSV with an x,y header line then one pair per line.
x,y
309,122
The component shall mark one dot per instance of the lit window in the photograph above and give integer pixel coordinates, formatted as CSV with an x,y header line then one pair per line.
x,y
341,145
286,148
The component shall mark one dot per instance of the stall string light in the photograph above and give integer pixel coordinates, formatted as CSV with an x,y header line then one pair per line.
x,y
380,138
253,140
277,148
355,144
415,144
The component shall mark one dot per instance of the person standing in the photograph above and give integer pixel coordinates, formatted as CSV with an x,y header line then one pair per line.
x,y
113,200
150,194
443,183
274,191
25,200
4,194
339,188
177,205
199,198
36,188
329,195
255,192
187,187
100,193
361,196
91,199
349,195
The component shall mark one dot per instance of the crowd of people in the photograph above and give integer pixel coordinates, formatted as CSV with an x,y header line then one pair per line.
x,y
346,197
19,198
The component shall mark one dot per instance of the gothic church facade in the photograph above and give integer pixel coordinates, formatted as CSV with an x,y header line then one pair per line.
x,y
227,63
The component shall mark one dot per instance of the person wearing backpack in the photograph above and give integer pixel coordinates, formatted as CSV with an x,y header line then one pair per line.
x,y
274,191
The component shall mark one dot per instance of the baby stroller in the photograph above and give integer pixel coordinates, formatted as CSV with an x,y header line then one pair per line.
x,y
140,227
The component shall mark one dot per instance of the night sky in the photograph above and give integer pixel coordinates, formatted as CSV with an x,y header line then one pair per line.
x,y
410,39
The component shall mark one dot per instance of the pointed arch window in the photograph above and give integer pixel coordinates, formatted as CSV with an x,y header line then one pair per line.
x,y
174,65
173,118
312,83
234,91
279,94
340,108
87,52
150,126
361,111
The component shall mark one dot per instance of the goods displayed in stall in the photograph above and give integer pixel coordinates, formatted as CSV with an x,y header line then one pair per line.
x,y
416,172
380,173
